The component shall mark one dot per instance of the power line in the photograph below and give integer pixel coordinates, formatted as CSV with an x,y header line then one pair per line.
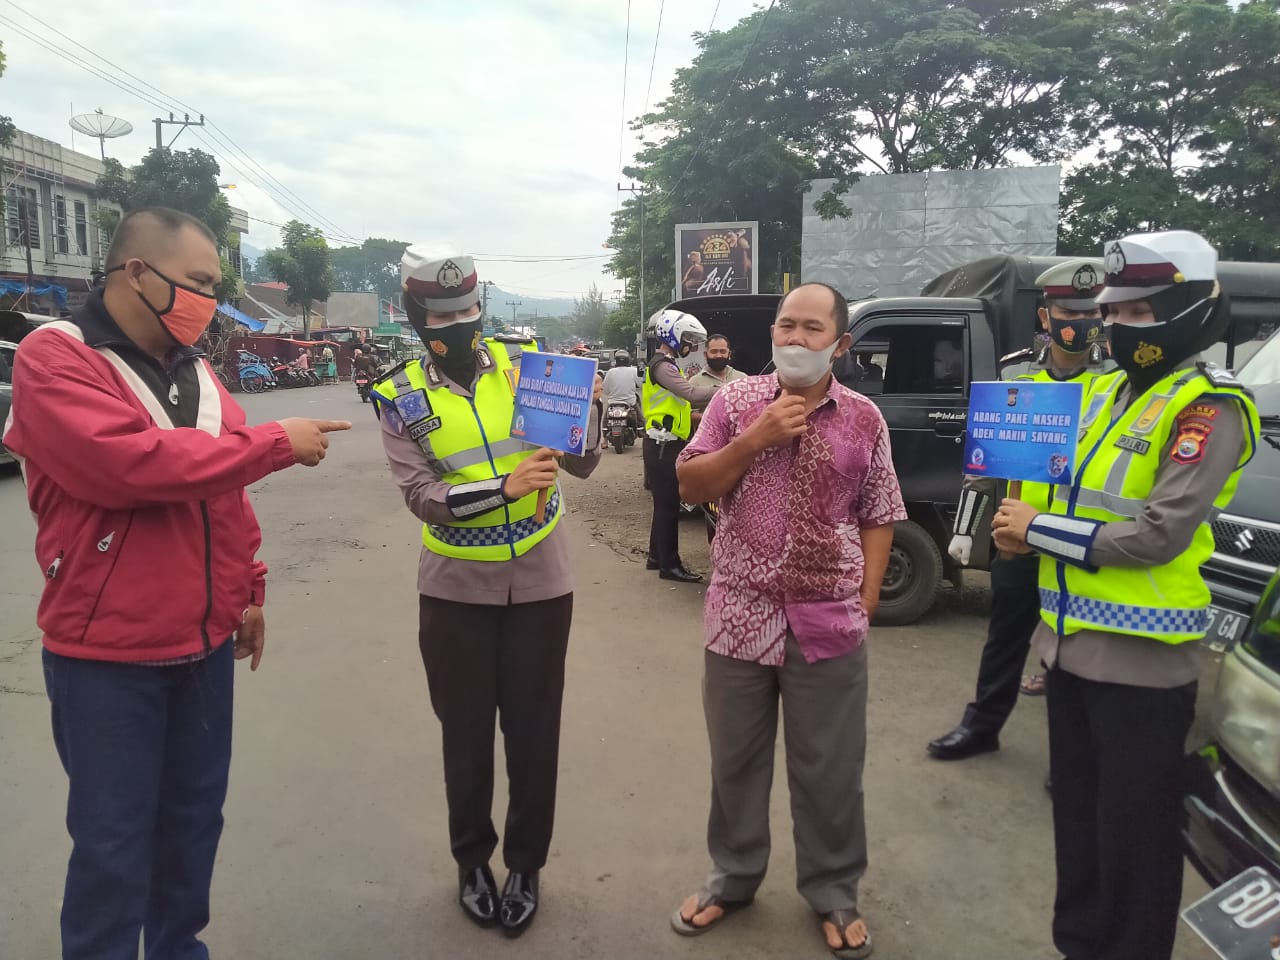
x,y
714,13
656,34
228,145
626,59
724,99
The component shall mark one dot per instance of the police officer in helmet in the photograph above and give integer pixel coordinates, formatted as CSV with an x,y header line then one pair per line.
x,y
668,399
494,576
1163,441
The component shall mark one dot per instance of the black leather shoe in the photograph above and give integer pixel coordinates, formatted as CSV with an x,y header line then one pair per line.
x,y
650,563
681,574
962,742
478,895
519,902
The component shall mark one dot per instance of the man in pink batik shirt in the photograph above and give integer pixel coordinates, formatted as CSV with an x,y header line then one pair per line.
x,y
808,498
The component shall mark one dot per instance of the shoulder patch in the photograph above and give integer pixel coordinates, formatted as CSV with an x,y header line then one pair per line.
x,y
1189,443
1018,355
1217,375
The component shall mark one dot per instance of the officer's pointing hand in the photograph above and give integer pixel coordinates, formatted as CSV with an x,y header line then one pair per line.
x,y
308,437
536,472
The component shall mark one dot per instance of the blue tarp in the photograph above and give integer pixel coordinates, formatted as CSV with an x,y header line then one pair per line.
x,y
257,326
17,288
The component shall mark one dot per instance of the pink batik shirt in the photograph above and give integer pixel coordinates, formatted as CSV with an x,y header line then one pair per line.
x,y
788,547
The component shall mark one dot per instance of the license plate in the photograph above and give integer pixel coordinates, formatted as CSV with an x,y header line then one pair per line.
x,y
1240,919
1225,628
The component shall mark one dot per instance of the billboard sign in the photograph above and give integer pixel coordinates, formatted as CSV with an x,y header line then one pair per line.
x,y
716,258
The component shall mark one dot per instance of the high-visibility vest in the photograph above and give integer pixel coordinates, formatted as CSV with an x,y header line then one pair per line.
x,y
659,403
1119,454
469,439
1033,491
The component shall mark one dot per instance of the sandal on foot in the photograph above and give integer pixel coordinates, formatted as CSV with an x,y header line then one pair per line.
x,y
687,928
841,920
1033,686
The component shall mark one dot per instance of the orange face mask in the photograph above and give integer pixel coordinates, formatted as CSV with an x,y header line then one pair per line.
x,y
188,312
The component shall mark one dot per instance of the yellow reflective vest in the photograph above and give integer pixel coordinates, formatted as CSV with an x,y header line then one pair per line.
x,y
658,403
469,439
1119,454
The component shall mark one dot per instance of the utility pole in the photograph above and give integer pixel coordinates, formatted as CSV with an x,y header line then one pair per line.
x,y
513,304
24,213
640,190
484,297
182,124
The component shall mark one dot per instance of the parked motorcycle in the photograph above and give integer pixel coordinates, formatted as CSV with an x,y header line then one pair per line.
x,y
620,426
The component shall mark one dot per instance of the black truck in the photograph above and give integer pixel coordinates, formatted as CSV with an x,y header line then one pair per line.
x,y
915,357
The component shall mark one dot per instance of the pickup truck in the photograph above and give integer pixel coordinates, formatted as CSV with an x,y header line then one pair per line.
x,y
915,358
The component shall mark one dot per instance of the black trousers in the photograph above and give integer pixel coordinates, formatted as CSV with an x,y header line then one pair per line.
x,y
1116,758
507,661
660,475
1015,611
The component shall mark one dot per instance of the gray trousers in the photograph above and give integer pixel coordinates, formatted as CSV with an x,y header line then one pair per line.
x,y
824,713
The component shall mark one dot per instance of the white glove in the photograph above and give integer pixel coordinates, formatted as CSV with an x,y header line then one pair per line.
x,y
960,549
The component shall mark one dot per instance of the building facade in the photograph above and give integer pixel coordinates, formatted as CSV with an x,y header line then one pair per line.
x,y
50,231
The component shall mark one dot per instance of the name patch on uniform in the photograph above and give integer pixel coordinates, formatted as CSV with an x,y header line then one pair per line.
x,y
421,429
1134,444
413,407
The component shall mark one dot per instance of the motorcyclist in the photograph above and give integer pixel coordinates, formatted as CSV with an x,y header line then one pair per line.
x,y
364,363
620,386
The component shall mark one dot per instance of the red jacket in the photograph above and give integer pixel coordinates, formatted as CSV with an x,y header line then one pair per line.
x,y
144,532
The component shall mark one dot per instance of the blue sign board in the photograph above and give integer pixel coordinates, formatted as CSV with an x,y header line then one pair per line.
x,y
553,401
1023,430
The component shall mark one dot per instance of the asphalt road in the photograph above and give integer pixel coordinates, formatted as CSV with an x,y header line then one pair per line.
x,y
335,843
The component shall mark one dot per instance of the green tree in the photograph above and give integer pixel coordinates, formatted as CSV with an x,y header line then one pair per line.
x,y
840,88
589,315
1187,107
185,180
374,266
303,262
7,129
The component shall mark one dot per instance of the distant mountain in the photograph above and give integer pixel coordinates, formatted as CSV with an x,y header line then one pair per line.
x,y
499,301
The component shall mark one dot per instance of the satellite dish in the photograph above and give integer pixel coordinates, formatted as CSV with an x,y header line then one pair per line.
x,y
102,126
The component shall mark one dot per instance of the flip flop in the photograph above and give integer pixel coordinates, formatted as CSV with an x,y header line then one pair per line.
x,y
841,919
1033,686
686,928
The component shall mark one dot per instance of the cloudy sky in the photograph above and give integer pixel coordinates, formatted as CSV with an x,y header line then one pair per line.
x,y
493,123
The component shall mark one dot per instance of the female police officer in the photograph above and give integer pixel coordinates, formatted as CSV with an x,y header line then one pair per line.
x,y
1122,601
495,578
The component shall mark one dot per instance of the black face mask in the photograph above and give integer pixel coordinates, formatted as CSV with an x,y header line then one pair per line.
x,y
1074,336
1146,354
717,363
453,348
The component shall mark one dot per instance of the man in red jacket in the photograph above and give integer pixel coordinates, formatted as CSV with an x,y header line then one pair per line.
x,y
136,461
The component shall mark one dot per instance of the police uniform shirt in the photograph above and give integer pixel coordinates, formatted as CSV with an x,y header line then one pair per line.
x,y
544,573
1190,476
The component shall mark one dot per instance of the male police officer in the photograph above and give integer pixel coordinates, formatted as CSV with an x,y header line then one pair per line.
x,y
1073,321
1162,444
668,399
495,578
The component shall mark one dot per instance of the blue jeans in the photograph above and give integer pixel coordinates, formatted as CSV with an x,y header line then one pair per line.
x,y
147,751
